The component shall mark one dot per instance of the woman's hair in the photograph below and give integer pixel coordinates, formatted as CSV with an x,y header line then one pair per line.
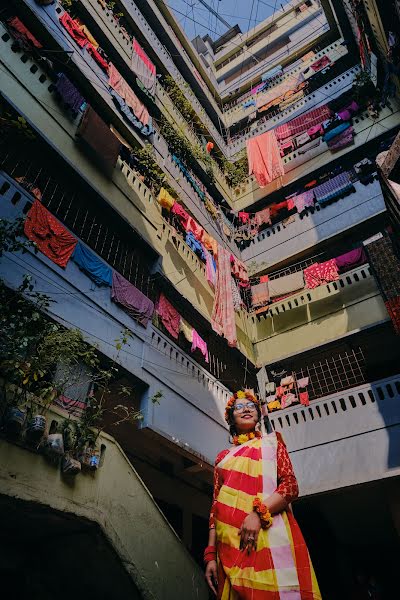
x,y
231,418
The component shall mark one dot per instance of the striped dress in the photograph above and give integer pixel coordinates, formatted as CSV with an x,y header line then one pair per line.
x,y
280,568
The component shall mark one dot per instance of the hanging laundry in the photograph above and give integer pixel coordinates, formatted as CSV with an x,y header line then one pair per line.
x,y
129,116
101,143
249,103
320,273
136,304
320,64
288,284
302,123
275,209
385,265
143,67
287,400
303,382
263,217
211,273
348,111
304,398
334,188
223,314
165,199
89,263
275,93
50,236
199,344
195,228
239,269
169,316
118,83
74,30
209,147
315,131
26,39
262,381
244,217
270,387
86,31
344,139
237,300
264,278
95,54
195,245
351,259
260,294
211,208
333,133
264,158
69,94
186,329
181,213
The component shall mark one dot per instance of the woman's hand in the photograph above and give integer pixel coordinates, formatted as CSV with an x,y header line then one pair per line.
x,y
211,575
249,532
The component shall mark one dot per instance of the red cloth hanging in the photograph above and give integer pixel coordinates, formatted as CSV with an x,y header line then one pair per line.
x,y
103,64
244,217
182,215
209,147
22,33
274,209
264,278
393,308
304,399
50,236
74,29
169,316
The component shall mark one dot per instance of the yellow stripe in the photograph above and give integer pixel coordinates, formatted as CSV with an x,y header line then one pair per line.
x,y
226,534
242,464
236,499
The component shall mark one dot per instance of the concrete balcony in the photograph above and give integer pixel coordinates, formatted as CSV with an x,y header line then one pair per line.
x,y
335,51
309,158
346,438
118,502
312,318
278,243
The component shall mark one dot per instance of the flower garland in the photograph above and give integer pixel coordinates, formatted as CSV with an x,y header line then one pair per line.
x,y
242,438
240,395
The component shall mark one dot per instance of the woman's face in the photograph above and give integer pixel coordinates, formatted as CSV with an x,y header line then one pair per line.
x,y
245,415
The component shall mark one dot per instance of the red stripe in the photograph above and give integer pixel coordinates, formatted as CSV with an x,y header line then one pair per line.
x,y
259,561
303,564
247,593
230,516
249,452
242,482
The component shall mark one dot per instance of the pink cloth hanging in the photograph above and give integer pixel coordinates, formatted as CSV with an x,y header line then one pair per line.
x,y
118,83
199,344
223,313
169,316
264,158
263,216
320,273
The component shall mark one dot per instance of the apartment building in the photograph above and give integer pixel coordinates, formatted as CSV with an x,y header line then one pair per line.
x,y
129,152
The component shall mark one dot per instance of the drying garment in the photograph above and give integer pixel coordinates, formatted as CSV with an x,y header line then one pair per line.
x,y
95,54
260,294
237,300
186,329
181,213
21,33
50,236
193,227
68,93
302,123
129,116
332,133
223,314
195,245
249,103
320,64
270,387
348,111
274,405
208,242
199,344
320,273
334,188
264,158
118,83
264,278
169,316
275,209
273,94
136,304
385,265
280,566
288,380
211,273
287,400
344,139
239,269
87,33
304,398
262,381
211,208
350,260
291,99
99,140
287,284
263,217
302,139
244,217
143,68
286,148
165,199
303,382
91,265
304,201
393,308
74,30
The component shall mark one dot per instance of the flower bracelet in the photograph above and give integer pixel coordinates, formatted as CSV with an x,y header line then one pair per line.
x,y
263,512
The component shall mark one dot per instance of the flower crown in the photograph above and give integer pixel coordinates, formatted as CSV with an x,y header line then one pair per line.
x,y
240,395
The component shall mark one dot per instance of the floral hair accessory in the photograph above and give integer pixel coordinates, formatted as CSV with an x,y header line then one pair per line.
x,y
240,395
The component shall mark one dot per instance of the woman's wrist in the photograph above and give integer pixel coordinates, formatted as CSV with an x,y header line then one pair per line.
x,y
210,553
263,513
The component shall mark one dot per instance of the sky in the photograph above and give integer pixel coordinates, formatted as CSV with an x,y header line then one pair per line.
x,y
197,20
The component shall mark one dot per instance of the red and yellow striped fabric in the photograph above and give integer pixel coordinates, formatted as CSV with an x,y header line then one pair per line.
x,y
281,568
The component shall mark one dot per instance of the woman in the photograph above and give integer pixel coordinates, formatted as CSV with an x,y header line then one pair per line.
x,y
255,549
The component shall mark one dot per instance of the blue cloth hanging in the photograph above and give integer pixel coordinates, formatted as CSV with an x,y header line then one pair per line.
x,y
195,245
90,264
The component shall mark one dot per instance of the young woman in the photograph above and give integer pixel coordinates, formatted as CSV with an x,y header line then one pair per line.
x,y
255,549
